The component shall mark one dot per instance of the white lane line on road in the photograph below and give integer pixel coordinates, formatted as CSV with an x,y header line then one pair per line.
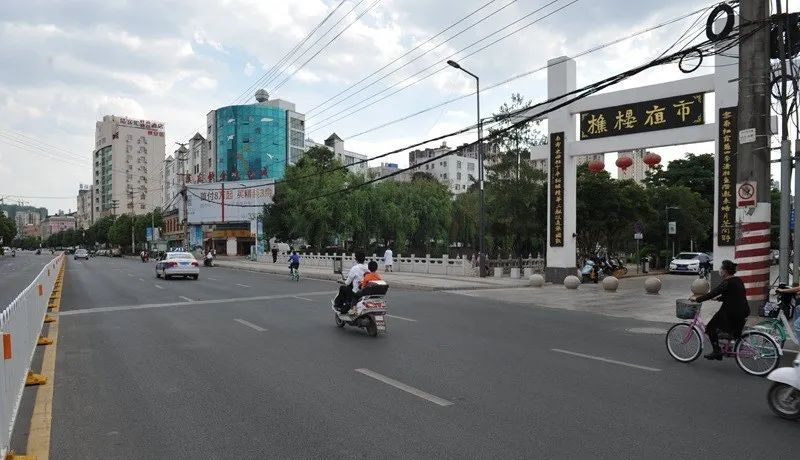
x,y
303,298
185,298
242,285
141,279
86,311
606,360
408,389
213,279
400,317
130,274
249,324
158,286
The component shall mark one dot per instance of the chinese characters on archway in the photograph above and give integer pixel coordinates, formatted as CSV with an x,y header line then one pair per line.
x,y
726,176
557,189
639,117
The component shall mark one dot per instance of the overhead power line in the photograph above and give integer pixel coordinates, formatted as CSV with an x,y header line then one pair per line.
x,y
247,93
588,51
372,5
328,121
485,5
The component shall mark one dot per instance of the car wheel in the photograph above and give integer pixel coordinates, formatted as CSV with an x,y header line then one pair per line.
x,y
166,277
196,277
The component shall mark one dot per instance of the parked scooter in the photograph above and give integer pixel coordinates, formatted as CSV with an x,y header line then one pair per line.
x,y
591,271
784,395
369,311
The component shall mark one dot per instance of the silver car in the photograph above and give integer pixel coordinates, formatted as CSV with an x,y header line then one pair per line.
x,y
81,254
178,264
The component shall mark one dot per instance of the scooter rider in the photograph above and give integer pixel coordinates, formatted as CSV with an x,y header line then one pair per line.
x,y
351,284
294,262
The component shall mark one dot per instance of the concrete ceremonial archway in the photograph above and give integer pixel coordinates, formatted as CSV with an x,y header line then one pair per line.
x,y
644,104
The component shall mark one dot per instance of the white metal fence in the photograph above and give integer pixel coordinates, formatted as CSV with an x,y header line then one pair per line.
x,y
22,321
458,266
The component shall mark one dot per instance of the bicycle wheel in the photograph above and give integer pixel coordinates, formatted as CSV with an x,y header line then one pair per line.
x,y
757,353
684,342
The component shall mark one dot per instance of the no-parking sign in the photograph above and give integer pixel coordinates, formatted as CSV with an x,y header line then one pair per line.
x,y
746,194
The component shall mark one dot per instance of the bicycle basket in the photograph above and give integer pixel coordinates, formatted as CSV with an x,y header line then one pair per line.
x,y
686,309
769,310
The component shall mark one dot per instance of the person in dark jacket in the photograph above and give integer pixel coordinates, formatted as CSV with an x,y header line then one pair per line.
x,y
734,310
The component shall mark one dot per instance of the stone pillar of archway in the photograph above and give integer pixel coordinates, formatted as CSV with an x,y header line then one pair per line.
x,y
561,252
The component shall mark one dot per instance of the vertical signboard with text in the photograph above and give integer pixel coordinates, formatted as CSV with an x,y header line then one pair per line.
x,y
726,176
557,189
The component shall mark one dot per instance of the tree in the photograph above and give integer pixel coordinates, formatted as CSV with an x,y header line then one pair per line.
x,y
120,231
8,229
695,172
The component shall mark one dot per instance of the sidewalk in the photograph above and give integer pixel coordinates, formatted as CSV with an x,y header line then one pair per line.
x,y
421,281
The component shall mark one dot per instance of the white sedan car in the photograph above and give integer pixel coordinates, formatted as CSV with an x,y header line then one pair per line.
x,y
688,262
178,264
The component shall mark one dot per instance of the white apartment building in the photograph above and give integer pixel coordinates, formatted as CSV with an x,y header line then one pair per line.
x,y
637,170
458,171
24,218
127,166
346,157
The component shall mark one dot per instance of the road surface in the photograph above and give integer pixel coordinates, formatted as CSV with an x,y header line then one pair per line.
x,y
246,365
16,273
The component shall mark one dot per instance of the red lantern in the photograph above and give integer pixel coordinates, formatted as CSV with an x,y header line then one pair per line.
x,y
652,159
624,163
596,166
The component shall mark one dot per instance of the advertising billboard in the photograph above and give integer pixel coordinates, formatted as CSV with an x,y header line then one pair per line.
x,y
220,202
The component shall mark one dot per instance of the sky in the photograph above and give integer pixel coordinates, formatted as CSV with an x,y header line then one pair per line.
x,y
66,63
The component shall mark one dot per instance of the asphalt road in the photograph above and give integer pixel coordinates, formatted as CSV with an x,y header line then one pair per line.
x,y
16,273
234,365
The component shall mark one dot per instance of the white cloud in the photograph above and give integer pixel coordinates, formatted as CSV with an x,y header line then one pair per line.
x,y
203,83
248,69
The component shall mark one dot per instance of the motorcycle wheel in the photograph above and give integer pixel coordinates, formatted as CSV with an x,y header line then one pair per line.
x,y
339,322
777,398
372,328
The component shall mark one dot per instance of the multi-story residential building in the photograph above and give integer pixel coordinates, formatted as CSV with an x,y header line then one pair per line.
x,y
127,166
254,141
24,218
637,170
582,160
31,230
198,161
85,208
458,171
56,224
355,162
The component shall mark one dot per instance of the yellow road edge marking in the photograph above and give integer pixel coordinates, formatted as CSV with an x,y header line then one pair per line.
x,y
42,418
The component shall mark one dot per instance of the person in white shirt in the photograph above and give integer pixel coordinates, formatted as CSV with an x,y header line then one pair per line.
x,y
388,259
351,283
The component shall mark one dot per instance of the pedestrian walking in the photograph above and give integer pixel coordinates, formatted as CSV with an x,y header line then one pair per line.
x,y
274,254
388,259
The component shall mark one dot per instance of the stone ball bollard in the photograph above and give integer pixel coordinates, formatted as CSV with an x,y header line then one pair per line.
x,y
536,280
572,282
610,283
652,285
700,286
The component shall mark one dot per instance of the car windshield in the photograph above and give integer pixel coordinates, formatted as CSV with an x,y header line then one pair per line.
x,y
80,251
180,255
688,256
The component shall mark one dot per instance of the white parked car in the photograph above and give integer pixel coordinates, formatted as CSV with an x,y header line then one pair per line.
x,y
178,264
688,262
81,254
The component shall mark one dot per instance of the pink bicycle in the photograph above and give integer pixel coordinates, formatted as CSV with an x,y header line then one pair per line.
x,y
755,352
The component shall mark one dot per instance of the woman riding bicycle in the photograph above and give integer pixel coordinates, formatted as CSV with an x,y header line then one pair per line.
x,y
734,310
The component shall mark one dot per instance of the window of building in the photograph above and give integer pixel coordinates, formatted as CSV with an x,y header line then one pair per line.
x,y
458,165
426,166
246,139
458,176
444,176
470,166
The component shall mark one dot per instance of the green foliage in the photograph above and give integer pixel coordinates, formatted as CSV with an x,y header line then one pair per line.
x,y
120,231
695,172
8,229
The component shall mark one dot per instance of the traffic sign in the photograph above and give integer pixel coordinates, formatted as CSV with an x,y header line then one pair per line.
x,y
747,136
672,228
638,236
745,194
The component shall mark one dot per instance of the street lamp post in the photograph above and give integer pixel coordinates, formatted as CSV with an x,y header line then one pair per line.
x,y
666,239
482,225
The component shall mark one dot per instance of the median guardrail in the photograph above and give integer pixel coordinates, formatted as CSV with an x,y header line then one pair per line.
x,y
21,326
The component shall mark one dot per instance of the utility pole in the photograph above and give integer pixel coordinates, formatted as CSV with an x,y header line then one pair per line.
x,y
114,204
754,157
133,225
182,155
786,158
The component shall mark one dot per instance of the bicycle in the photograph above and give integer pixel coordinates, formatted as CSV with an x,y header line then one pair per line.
x,y
775,322
756,352
294,274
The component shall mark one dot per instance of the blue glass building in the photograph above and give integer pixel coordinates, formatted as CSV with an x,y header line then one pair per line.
x,y
255,141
